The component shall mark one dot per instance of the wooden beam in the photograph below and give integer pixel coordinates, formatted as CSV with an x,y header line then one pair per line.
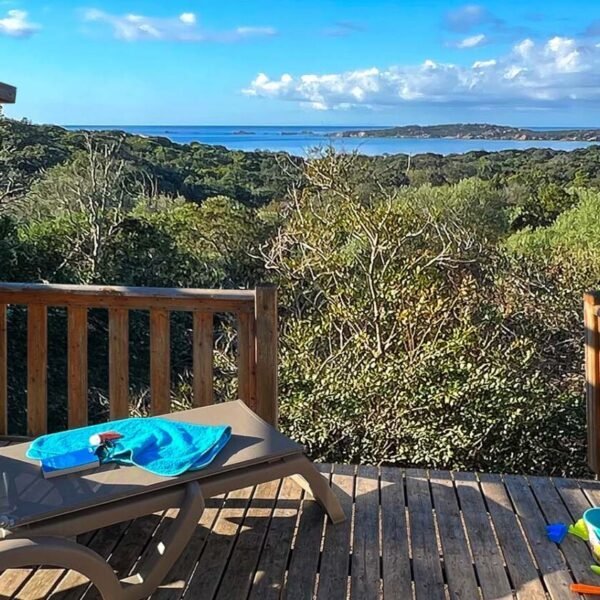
x,y
127,297
8,93
266,353
592,378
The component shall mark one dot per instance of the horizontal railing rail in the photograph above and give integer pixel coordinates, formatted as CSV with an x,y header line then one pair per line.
x,y
255,312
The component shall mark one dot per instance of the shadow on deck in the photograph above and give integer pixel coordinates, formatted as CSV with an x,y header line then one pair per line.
x,y
429,535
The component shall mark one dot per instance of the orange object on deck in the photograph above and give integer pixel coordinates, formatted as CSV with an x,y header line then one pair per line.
x,y
582,588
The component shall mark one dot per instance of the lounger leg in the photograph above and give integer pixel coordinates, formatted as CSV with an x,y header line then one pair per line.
x,y
65,554
169,549
313,482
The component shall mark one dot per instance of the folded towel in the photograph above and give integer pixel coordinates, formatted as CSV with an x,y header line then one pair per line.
x,y
161,446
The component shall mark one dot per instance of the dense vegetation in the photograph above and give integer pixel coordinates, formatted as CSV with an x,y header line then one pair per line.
x,y
431,306
476,131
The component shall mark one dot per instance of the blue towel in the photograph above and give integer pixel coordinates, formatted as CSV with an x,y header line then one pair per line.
x,y
161,446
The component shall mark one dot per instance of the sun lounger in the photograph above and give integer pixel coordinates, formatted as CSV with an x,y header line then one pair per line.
x,y
39,518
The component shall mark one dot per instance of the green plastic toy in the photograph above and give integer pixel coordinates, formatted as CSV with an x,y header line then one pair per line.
x,y
580,530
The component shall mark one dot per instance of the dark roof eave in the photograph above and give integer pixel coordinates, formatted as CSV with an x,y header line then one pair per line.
x,y
8,93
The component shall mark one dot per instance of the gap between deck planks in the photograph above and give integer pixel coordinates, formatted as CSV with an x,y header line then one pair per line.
x,y
410,534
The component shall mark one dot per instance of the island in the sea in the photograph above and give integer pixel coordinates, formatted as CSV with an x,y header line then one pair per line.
x,y
475,131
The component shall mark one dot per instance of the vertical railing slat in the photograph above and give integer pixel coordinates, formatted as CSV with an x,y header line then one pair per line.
x,y
203,359
247,359
592,379
266,353
118,362
37,369
78,366
3,372
160,364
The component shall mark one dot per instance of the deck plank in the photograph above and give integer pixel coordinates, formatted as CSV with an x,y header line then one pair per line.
x,y
519,560
428,577
397,579
129,548
333,573
304,563
551,562
73,585
413,534
177,578
365,582
44,579
206,577
573,496
270,573
458,563
591,489
489,562
576,553
239,574
13,580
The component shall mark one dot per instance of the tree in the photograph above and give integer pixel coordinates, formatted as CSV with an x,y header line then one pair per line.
x,y
91,195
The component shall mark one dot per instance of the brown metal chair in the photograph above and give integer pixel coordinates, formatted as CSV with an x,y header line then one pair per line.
x,y
39,516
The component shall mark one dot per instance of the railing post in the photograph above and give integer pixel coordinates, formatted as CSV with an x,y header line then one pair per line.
x,y
3,372
266,353
591,300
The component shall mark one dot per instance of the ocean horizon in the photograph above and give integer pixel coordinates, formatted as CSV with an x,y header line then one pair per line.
x,y
300,140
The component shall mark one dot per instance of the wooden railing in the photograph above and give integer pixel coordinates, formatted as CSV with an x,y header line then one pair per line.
x,y
591,306
255,310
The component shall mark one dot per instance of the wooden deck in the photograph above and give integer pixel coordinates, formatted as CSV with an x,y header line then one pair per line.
x,y
411,534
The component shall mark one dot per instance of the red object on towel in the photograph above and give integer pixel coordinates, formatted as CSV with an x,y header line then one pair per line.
x,y
100,439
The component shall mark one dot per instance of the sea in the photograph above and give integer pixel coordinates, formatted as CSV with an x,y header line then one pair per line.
x,y
302,140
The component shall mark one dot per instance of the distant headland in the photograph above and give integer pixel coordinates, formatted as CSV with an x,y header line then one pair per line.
x,y
475,131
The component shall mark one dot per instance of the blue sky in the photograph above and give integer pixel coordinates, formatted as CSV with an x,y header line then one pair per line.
x,y
368,62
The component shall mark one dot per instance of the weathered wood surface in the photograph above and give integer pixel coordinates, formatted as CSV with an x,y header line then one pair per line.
x,y
113,296
592,376
254,310
3,371
411,534
266,386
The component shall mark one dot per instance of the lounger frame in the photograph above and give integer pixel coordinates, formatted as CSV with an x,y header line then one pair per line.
x,y
50,541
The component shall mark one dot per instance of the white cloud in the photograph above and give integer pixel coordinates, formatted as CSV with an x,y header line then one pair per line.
x,y
188,18
16,24
255,31
472,41
535,75
484,64
182,28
